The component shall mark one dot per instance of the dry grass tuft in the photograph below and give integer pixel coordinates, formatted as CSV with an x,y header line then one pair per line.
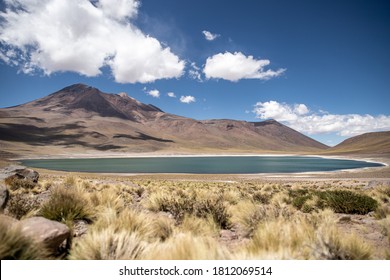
x,y
186,246
107,244
16,246
20,205
66,205
199,226
146,226
176,219
198,203
15,183
283,239
332,245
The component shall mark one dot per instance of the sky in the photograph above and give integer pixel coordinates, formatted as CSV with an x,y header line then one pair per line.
x,y
321,67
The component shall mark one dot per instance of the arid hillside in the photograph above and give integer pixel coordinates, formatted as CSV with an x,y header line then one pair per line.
x,y
82,119
375,143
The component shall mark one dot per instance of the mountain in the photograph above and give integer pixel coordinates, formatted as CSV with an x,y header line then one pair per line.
x,y
374,143
81,119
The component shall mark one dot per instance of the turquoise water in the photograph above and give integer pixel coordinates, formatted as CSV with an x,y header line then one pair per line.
x,y
200,165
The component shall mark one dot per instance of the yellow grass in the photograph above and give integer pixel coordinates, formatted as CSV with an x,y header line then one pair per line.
x,y
135,218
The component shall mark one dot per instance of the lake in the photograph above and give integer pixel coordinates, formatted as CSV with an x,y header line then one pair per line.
x,y
200,165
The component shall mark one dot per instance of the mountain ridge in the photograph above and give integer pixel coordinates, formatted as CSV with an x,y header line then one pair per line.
x,y
81,118
366,143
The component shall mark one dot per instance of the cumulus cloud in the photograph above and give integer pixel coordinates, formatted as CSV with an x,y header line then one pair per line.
x,y
210,36
187,99
154,93
237,66
171,94
83,36
279,111
119,9
299,117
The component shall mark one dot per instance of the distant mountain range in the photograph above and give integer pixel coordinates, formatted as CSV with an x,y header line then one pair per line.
x,y
82,119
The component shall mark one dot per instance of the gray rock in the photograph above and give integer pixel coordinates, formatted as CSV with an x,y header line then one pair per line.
x,y
9,170
4,196
27,174
51,233
8,221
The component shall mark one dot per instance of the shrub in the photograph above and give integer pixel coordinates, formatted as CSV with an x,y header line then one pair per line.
x,y
108,244
340,201
16,246
200,205
382,211
150,228
385,223
64,205
348,202
385,190
107,198
70,181
261,197
282,239
186,246
215,207
248,215
300,201
21,204
15,183
199,226
332,245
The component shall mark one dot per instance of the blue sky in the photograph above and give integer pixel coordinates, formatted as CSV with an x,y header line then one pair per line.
x,y
320,67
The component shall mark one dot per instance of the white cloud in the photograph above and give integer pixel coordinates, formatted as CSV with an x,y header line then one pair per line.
x,y
279,111
119,9
210,36
195,73
78,36
171,94
301,109
154,93
237,66
187,99
300,118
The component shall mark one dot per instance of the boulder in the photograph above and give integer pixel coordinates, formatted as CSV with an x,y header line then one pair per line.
x,y
27,174
8,221
51,233
4,196
9,170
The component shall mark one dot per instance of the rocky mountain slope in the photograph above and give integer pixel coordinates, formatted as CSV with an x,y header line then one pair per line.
x,y
80,118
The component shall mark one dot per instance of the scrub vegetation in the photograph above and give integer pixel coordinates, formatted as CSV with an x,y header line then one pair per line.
x,y
137,218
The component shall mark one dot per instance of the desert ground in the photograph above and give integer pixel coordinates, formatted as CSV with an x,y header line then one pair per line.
x,y
329,215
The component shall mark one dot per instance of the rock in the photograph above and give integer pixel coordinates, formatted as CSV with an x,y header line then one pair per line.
x,y
9,170
51,233
4,196
8,221
27,174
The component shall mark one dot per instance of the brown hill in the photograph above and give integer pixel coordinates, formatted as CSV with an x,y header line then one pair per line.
x,y
374,143
80,119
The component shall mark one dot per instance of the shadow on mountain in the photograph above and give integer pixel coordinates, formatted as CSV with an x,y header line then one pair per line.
x,y
39,120
142,136
41,136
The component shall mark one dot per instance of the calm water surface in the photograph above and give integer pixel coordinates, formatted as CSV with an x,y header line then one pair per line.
x,y
200,165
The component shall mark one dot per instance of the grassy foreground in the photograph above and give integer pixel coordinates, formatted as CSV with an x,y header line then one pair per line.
x,y
133,218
